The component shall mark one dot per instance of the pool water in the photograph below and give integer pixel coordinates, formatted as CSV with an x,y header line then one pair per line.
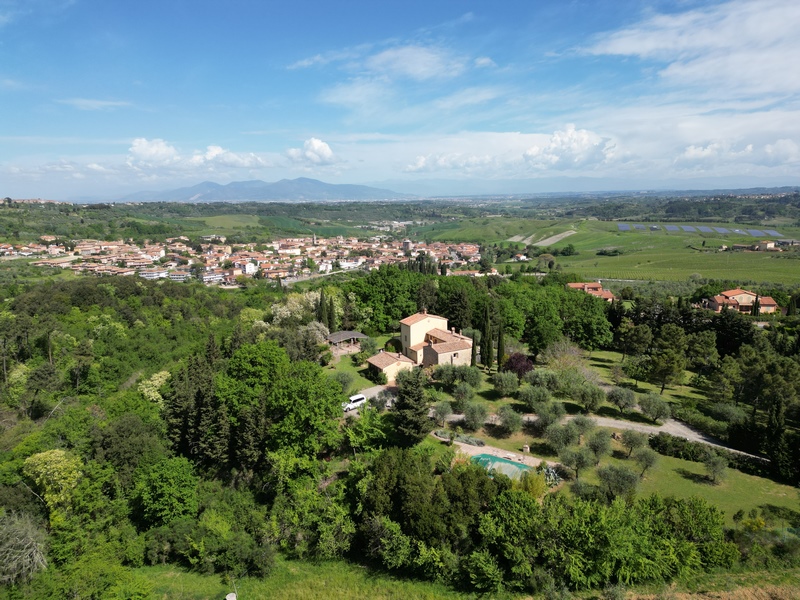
x,y
507,467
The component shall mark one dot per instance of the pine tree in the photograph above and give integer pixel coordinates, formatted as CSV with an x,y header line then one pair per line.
x,y
411,408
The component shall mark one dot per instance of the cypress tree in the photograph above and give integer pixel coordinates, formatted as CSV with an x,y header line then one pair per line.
x,y
501,346
331,323
486,347
322,308
473,361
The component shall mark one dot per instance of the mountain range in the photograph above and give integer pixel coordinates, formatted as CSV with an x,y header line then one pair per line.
x,y
287,190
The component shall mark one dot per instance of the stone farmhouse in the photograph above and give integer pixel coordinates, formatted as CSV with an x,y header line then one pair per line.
x,y
390,364
741,301
427,341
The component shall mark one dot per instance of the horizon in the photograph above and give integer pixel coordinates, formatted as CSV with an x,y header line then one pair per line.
x,y
431,100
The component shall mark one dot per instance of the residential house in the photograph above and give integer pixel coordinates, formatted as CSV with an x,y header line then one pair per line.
x,y
741,301
593,288
390,364
426,340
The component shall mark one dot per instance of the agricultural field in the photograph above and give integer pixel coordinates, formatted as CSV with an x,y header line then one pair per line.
x,y
669,256
487,230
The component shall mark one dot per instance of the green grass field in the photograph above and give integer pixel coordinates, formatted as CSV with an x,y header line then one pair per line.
x,y
672,256
298,580
647,255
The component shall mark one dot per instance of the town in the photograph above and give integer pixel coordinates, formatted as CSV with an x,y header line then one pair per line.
x,y
215,262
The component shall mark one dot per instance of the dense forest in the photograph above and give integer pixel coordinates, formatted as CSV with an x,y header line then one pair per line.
x,y
146,423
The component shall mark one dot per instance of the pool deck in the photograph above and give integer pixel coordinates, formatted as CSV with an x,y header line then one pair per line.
x,y
518,457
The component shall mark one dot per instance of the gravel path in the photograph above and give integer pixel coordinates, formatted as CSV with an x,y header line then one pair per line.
x,y
670,426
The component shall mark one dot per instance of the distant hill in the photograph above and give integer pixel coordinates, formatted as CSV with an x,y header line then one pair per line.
x,y
285,190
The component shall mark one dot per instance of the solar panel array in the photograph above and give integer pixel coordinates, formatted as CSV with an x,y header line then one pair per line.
x,y
702,228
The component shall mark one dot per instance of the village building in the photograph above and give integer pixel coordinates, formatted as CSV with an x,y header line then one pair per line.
x,y
741,301
390,364
426,340
593,288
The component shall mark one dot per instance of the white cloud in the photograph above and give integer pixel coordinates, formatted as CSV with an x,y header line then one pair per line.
x,y
314,153
468,97
737,48
419,63
362,93
466,163
483,62
216,155
91,104
783,151
571,148
157,151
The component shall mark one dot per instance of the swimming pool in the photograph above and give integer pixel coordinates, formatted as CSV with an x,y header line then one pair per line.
x,y
507,467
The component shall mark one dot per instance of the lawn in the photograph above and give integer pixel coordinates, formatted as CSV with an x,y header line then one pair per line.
x,y
345,364
294,579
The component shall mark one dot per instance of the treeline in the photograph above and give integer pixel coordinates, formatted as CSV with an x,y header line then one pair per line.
x,y
151,422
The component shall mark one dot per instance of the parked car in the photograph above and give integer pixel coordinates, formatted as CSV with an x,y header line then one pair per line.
x,y
356,401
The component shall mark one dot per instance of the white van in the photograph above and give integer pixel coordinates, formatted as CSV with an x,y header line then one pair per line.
x,y
356,401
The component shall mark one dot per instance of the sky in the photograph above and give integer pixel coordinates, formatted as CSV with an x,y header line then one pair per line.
x,y
101,98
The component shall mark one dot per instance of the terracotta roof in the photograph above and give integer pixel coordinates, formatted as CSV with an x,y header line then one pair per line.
x,y
419,317
444,335
446,347
767,301
736,292
387,359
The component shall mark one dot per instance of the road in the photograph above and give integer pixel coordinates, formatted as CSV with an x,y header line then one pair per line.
x,y
670,426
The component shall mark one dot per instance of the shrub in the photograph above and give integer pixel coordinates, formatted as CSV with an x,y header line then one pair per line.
x,y
623,398
445,374
694,418
716,466
469,375
617,482
633,440
442,410
547,414
561,436
475,415
532,395
645,458
654,407
518,364
728,413
505,383
583,424
599,443
510,420
545,378
462,394
589,396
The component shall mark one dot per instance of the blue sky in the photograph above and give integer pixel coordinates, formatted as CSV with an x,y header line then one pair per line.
x,y
101,97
